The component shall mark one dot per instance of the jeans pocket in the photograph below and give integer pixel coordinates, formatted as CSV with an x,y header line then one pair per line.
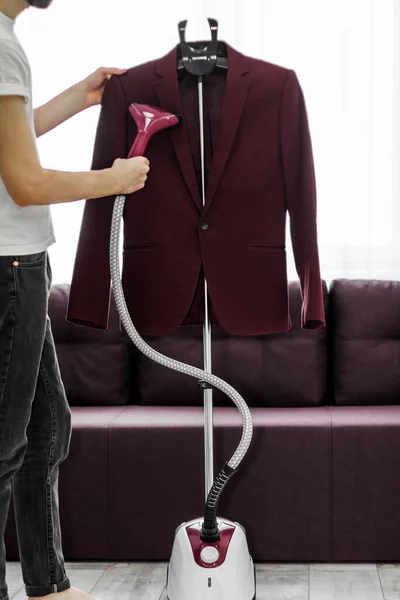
x,y
29,260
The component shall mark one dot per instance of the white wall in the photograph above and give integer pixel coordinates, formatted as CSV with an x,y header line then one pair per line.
x,y
344,53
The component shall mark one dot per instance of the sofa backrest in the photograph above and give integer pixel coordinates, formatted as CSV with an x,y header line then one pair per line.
x,y
364,343
286,369
104,367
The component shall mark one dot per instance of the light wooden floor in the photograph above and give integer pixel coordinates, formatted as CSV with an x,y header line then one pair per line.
x,y
145,581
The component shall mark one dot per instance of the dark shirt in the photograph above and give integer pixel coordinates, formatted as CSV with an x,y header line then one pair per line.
x,y
213,93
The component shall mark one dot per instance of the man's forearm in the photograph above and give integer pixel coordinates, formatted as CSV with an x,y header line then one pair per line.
x,y
56,187
59,109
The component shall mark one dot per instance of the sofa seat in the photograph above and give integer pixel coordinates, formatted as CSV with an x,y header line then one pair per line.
x,y
134,473
365,483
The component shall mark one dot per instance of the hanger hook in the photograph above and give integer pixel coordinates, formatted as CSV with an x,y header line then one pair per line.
x,y
200,61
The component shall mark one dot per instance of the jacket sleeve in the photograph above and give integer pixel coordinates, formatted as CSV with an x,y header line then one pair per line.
x,y
298,167
89,299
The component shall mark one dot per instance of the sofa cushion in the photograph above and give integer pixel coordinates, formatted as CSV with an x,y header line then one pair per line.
x,y
365,325
94,364
287,369
281,493
365,483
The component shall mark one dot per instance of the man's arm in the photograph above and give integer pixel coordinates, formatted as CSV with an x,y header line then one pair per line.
x,y
29,184
82,95
59,109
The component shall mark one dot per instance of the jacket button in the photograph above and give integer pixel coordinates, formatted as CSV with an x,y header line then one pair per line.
x,y
204,226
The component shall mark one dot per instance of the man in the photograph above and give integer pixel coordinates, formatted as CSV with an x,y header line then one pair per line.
x,y
35,419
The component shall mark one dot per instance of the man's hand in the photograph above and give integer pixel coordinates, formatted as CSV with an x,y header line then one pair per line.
x,y
78,97
92,88
131,173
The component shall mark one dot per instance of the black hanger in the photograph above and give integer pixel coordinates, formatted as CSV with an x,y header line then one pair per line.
x,y
198,59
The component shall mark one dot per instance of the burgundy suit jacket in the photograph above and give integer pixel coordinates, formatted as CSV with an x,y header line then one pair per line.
x,y
262,169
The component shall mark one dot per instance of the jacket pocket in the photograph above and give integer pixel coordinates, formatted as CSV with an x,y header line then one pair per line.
x,y
141,246
267,247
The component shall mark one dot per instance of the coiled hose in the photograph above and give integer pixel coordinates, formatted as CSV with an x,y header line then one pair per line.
x,y
210,530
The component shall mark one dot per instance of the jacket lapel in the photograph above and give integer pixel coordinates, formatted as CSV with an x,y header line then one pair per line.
x,y
167,90
236,90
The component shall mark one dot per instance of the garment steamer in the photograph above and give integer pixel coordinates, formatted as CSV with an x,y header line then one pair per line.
x,y
210,558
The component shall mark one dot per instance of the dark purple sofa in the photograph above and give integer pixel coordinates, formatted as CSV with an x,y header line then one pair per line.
x,y
321,481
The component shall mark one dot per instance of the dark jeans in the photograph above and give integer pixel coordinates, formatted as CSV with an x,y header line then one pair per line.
x,y
35,424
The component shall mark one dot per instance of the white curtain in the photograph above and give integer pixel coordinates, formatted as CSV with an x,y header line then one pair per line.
x,y
346,55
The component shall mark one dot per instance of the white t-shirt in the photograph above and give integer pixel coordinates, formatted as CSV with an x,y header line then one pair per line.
x,y
28,229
